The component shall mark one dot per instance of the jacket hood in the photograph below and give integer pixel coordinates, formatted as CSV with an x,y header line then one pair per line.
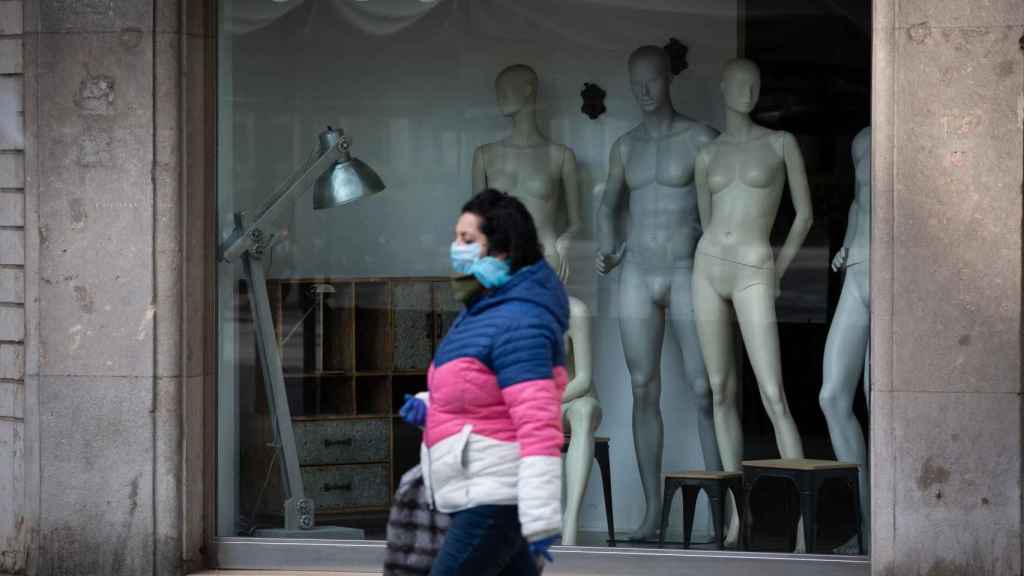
x,y
536,284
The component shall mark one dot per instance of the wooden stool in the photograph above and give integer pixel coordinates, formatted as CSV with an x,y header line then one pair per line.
x,y
715,484
808,476
604,464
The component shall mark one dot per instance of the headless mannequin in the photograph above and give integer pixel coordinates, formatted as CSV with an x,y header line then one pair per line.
x,y
846,349
651,169
530,167
740,178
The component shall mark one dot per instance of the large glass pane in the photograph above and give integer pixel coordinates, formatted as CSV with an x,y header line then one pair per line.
x,y
693,179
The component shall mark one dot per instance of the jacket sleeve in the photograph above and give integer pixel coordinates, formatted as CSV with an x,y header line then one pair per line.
x,y
524,362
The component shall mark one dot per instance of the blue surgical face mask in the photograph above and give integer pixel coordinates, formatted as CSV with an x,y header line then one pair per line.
x,y
463,256
489,271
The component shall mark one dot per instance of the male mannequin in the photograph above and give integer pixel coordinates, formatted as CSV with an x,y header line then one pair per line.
x,y
530,167
846,349
740,178
651,174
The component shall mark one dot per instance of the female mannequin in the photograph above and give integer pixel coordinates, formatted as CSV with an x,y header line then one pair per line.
x,y
846,349
651,176
539,172
529,166
740,178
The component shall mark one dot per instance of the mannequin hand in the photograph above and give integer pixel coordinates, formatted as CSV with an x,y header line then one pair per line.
x,y
414,411
607,262
839,262
540,547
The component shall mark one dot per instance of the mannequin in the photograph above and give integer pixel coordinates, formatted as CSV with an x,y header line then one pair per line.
x,y
846,349
538,172
581,415
529,166
740,178
651,171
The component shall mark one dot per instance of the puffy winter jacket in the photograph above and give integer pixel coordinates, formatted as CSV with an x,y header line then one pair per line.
x,y
494,424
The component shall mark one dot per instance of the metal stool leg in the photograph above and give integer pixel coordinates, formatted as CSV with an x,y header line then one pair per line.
x,y
736,487
666,507
747,521
717,496
690,494
809,510
603,463
855,480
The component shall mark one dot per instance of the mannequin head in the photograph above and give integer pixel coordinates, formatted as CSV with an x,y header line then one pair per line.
x,y
650,76
516,89
741,85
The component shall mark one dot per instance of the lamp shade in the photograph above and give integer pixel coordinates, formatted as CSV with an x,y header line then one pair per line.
x,y
349,179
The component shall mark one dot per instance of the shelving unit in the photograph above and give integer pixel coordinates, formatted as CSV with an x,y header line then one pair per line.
x,y
351,349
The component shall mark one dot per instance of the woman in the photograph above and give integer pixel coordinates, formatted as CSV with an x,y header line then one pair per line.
x,y
491,453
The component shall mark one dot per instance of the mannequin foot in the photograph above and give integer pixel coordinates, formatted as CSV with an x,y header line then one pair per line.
x,y
847,549
801,546
647,531
732,534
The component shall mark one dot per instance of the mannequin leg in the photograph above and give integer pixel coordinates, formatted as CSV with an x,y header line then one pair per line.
x,y
715,331
642,326
845,358
583,416
755,311
684,326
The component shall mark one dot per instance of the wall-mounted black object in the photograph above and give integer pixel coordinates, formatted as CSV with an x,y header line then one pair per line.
x,y
593,100
677,51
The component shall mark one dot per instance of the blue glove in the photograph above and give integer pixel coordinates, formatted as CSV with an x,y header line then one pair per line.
x,y
414,411
540,547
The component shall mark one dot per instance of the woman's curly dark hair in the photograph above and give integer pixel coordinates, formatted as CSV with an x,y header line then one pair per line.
x,y
508,226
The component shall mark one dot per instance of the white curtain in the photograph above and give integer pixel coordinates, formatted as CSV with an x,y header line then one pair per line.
x,y
376,17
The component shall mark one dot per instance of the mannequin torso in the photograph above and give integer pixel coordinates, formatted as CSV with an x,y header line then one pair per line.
x,y
662,199
746,180
534,175
859,227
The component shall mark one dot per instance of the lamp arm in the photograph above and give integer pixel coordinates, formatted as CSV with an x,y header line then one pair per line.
x,y
245,236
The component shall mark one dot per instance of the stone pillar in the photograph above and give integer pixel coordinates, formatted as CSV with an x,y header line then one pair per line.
x,y
113,244
14,530
946,287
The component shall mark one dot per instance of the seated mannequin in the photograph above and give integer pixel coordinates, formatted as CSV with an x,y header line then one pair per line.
x,y
740,180
581,415
846,349
540,173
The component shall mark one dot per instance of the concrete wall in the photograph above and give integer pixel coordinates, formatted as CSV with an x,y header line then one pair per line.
x,y
946,287
14,531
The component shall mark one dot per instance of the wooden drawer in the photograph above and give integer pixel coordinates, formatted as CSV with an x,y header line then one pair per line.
x,y
335,488
342,441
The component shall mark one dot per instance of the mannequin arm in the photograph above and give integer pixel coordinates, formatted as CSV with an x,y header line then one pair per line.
x,y
479,176
572,192
579,333
700,176
851,224
800,194
611,203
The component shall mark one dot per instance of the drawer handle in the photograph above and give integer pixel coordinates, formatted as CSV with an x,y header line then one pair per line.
x,y
328,443
346,487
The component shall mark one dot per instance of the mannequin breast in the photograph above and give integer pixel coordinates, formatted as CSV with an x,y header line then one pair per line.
x,y
745,180
533,175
